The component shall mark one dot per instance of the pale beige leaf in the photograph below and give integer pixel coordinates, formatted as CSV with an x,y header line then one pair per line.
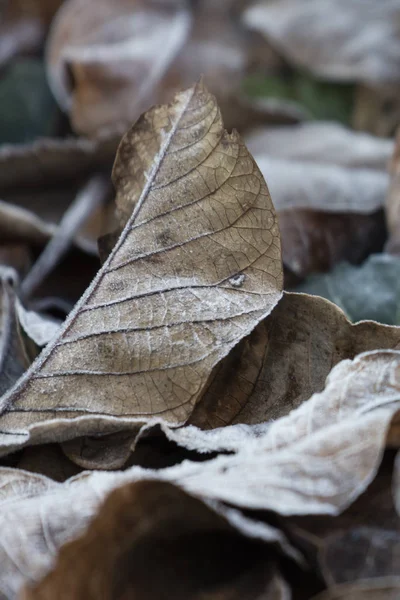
x,y
196,268
337,39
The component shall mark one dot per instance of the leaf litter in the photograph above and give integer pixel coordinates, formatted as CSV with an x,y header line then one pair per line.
x,y
239,440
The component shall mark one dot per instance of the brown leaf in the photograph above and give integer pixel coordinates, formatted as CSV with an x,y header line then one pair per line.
x,y
285,360
117,54
151,540
195,269
54,517
317,460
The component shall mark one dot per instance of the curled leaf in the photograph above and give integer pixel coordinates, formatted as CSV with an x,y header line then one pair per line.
x,y
196,268
152,527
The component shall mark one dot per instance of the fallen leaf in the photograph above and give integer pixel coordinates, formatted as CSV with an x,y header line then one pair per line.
x,y
104,73
317,460
283,362
48,460
339,40
370,291
315,241
20,225
117,54
55,518
196,268
362,553
147,526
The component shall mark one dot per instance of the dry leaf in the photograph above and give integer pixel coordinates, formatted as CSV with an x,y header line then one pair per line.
x,y
317,460
337,39
196,268
284,361
151,540
20,225
117,54
55,517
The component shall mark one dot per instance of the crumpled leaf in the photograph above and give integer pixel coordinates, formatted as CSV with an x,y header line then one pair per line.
x,y
356,41
195,269
147,526
317,460
56,518
117,54
329,186
285,360
371,291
